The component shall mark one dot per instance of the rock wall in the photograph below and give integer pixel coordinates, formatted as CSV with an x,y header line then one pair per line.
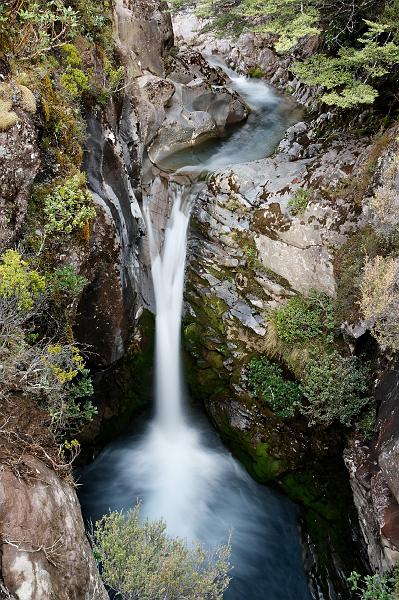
x,y
44,550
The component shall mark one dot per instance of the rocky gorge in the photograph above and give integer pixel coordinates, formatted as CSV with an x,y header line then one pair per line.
x,y
262,232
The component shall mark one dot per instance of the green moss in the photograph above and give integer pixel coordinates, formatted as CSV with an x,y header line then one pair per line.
x,y
257,456
256,72
265,466
323,492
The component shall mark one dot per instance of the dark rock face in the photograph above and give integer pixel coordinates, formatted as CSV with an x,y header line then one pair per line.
x,y
375,478
44,549
19,164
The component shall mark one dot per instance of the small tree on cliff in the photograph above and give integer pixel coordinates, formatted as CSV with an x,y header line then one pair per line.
x,y
141,562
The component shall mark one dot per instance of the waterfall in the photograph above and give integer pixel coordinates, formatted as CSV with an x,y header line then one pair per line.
x,y
176,464
167,266
171,463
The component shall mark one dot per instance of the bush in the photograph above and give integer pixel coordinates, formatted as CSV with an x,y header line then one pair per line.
x,y
69,206
66,282
30,31
52,373
19,284
75,81
303,319
266,380
335,388
379,300
141,562
379,586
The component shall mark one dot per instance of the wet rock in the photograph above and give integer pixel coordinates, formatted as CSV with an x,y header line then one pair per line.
x,y
44,550
197,109
247,52
144,31
374,478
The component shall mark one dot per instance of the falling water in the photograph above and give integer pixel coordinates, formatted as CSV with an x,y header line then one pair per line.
x,y
167,267
177,465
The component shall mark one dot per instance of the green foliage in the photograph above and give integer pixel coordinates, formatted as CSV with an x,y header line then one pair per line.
x,y
75,81
65,281
33,29
299,202
266,380
287,19
141,562
72,56
115,76
69,206
383,586
303,319
350,77
256,72
64,366
366,425
18,282
336,389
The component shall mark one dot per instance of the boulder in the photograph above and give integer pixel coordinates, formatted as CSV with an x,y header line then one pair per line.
x,y
44,550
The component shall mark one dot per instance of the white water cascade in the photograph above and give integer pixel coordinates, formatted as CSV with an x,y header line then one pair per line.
x,y
176,464
171,463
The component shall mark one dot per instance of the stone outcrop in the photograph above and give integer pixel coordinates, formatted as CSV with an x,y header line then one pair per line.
x,y
44,550
19,164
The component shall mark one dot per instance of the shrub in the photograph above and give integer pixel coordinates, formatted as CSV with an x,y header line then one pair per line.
x,y
69,206
75,81
303,319
65,281
30,31
267,381
380,586
299,202
335,388
379,300
256,72
18,282
141,562
72,56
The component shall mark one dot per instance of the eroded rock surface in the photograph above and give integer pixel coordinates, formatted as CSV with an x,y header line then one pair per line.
x,y
44,550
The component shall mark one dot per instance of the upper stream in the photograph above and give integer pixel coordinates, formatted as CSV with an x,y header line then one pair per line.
x,y
176,463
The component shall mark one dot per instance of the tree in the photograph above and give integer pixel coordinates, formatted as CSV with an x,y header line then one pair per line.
x,y
290,20
350,78
140,561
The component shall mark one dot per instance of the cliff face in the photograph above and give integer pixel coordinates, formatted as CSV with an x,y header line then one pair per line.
x,y
44,549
